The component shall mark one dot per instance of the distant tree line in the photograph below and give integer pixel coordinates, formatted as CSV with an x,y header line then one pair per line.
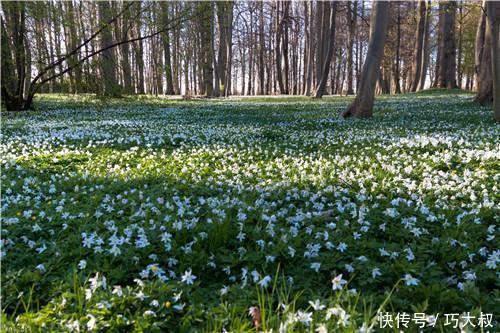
x,y
221,48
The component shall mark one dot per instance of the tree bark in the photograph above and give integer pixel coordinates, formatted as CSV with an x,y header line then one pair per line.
x,y
483,64
107,58
418,51
166,49
351,20
261,48
426,47
320,90
447,62
13,55
310,51
397,61
362,106
493,26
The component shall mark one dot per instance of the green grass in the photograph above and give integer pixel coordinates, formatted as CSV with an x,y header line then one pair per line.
x,y
264,199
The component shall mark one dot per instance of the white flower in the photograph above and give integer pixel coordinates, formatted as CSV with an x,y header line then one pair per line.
x,y
315,266
188,278
82,264
338,282
304,317
224,290
265,281
321,328
316,305
117,290
376,272
92,323
410,280
41,268
149,313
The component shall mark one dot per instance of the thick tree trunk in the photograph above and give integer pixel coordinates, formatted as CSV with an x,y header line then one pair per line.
x,y
124,49
13,59
483,64
447,62
493,26
320,90
362,106
107,58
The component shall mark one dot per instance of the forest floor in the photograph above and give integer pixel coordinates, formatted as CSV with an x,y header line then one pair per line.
x,y
150,214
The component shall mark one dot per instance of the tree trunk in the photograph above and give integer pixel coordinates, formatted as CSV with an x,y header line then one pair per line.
x,y
418,51
351,20
229,48
426,47
397,85
107,58
279,32
13,59
261,48
320,90
166,48
439,42
483,63
493,26
447,62
310,51
460,44
362,106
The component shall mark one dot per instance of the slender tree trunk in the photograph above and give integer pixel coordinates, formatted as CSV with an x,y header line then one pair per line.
x,y
310,51
440,28
261,48
216,69
279,32
418,51
426,47
351,20
166,49
229,48
397,62
460,42
362,106
320,90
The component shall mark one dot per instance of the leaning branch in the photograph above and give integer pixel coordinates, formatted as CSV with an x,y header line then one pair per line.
x,y
85,42
179,20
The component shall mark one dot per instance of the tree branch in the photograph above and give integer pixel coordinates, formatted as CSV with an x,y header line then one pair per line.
x,y
179,20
